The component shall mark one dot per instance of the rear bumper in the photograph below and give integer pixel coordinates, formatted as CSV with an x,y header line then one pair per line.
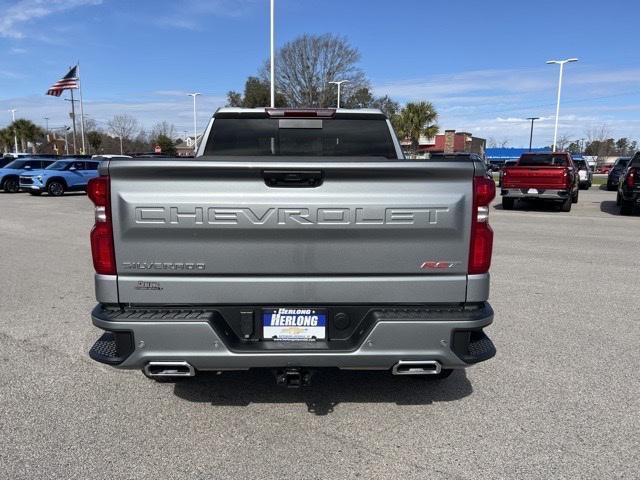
x,y
454,337
544,194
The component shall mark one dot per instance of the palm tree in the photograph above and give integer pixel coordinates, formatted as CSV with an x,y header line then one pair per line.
x,y
27,131
416,120
6,139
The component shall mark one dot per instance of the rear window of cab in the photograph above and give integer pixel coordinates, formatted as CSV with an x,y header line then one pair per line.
x,y
543,160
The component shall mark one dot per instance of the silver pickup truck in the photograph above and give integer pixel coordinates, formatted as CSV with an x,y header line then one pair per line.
x,y
296,239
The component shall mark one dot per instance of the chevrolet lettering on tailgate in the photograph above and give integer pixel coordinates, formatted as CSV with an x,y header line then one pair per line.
x,y
288,216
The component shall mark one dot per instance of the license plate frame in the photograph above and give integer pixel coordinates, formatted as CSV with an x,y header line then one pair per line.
x,y
294,324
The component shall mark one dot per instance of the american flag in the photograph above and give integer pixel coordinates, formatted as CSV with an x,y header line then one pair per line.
x,y
70,80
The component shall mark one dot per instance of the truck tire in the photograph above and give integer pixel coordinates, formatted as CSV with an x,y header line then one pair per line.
x,y
11,185
618,200
574,198
55,188
507,203
566,205
626,208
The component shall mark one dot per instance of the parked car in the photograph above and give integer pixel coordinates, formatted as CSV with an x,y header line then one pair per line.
x,y
613,179
107,156
548,176
585,174
14,155
10,173
67,175
297,239
629,187
605,169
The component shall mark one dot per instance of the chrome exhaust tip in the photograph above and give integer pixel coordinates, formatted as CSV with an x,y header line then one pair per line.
x,y
417,367
169,369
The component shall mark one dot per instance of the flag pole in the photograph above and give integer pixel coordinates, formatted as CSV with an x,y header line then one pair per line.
x,y
81,110
73,117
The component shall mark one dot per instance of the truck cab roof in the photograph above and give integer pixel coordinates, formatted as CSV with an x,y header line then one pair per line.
x,y
266,112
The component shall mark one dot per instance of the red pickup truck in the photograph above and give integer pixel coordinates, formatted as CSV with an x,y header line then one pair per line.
x,y
542,176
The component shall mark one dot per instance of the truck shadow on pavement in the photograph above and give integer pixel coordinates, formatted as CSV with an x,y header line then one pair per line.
x,y
328,389
532,206
610,207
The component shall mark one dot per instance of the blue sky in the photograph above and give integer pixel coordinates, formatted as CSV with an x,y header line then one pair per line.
x,y
481,63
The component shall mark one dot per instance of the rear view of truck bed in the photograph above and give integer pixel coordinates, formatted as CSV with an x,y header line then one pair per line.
x,y
295,239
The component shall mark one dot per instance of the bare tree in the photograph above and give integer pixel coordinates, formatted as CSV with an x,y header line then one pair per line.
x,y
162,128
123,126
306,65
562,142
600,143
90,125
598,133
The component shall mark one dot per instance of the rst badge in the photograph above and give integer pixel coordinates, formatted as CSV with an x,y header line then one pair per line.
x,y
294,324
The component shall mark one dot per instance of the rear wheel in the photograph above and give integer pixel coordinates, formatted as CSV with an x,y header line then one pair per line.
x,y
11,185
619,200
574,198
55,188
507,203
566,205
626,208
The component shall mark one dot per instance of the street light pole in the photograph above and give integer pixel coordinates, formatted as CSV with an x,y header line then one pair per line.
x,y
66,142
15,133
561,63
273,60
533,119
195,123
339,84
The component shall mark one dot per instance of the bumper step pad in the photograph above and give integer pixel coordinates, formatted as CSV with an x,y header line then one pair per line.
x,y
473,346
112,347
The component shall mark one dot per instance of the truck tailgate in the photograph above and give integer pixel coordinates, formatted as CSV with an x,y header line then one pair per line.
x,y
535,177
206,232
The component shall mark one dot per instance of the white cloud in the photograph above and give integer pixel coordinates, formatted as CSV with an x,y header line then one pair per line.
x,y
176,110
190,15
496,102
503,82
22,12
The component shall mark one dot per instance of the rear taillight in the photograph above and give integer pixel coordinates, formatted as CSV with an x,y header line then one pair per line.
x,y
631,177
102,250
484,190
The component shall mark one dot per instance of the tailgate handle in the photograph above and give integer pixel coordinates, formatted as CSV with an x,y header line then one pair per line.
x,y
293,178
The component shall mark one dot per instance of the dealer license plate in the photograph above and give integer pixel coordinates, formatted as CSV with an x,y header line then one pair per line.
x,y
294,324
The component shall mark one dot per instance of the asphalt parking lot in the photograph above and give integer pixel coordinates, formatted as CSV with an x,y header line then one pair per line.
x,y
560,400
